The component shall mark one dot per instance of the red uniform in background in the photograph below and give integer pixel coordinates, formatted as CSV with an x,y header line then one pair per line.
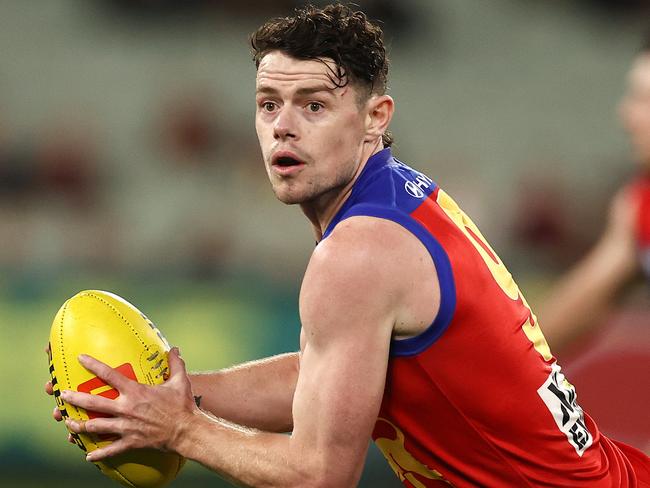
x,y
477,399
641,196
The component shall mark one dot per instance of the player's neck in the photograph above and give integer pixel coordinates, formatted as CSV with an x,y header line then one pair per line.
x,y
322,210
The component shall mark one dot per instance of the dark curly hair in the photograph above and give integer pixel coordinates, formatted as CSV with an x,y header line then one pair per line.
x,y
333,32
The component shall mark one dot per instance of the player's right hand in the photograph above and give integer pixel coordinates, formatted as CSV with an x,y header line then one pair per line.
x,y
56,413
49,389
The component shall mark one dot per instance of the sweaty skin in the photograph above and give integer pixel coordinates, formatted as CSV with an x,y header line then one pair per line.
x,y
315,140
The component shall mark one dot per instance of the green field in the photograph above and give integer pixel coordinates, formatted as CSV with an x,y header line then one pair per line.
x,y
216,325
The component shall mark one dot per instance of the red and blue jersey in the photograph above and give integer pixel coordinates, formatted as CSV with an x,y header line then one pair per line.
x,y
477,399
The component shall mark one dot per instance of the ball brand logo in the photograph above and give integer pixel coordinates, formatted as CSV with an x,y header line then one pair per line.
x,y
416,188
97,386
132,347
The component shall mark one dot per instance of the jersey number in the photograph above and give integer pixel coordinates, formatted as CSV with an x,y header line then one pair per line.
x,y
499,272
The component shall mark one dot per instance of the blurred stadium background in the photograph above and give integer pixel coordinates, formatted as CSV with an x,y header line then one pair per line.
x,y
129,162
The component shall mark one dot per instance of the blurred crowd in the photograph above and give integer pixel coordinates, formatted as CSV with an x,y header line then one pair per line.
x,y
68,198
186,193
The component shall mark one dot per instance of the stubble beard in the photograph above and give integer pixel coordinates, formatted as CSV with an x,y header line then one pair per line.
x,y
313,193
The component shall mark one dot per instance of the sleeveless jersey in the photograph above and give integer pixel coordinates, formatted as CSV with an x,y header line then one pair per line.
x,y
477,399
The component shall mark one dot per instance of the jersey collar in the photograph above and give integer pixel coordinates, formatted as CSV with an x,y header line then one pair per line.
x,y
375,162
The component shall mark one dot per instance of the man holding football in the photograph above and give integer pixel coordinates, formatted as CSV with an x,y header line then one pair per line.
x,y
413,332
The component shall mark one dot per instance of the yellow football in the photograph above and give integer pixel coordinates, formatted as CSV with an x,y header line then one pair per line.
x,y
112,330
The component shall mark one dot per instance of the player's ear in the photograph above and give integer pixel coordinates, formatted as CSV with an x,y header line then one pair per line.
x,y
380,110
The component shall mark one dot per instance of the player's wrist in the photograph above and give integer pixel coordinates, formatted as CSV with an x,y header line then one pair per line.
x,y
184,435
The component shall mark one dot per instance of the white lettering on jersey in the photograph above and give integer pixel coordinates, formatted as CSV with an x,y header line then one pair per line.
x,y
560,397
415,188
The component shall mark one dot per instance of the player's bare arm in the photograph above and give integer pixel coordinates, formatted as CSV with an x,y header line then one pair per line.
x,y
354,293
589,290
260,393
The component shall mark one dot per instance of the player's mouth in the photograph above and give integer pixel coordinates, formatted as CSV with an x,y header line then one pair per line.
x,y
286,163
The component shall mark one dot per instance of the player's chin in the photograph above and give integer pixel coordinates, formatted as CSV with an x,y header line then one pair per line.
x,y
290,196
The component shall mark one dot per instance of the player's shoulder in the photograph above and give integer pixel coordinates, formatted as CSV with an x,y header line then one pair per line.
x,y
352,278
363,239
365,251
373,267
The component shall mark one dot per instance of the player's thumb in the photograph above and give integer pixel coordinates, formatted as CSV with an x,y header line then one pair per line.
x,y
176,364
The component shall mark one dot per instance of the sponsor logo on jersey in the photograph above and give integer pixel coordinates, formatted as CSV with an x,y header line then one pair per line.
x,y
417,187
560,397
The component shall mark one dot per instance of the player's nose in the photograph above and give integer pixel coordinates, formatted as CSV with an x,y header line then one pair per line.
x,y
285,125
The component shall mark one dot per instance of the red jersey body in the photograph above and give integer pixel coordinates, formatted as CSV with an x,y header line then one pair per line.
x,y
477,400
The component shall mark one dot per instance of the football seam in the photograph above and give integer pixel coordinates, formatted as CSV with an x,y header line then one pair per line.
x,y
127,322
135,333
122,317
65,368
88,438
124,478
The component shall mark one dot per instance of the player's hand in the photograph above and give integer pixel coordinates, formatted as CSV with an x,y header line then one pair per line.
x,y
56,413
49,389
623,209
143,416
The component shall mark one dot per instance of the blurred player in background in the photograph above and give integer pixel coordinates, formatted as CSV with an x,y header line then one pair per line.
x,y
582,299
413,331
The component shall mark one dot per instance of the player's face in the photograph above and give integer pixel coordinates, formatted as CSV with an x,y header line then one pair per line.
x,y
311,133
635,109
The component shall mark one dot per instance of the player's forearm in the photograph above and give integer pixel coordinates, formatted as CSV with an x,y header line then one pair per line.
x,y
258,394
586,294
256,459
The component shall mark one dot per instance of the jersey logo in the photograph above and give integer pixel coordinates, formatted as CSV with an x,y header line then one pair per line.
x,y
416,188
560,397
390,441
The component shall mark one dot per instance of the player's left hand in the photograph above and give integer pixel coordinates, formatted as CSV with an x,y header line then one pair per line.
x,y
143,416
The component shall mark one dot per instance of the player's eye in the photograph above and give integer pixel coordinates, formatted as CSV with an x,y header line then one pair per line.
x,y
268,106
315,107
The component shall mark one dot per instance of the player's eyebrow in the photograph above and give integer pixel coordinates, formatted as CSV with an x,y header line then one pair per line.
x,y
312,90
301,92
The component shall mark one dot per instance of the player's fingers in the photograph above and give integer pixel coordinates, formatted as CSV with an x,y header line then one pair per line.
x,y
95,403
176,363
56,413
115,447
76,426
105,372
71,439
48,388
95,426
47,349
